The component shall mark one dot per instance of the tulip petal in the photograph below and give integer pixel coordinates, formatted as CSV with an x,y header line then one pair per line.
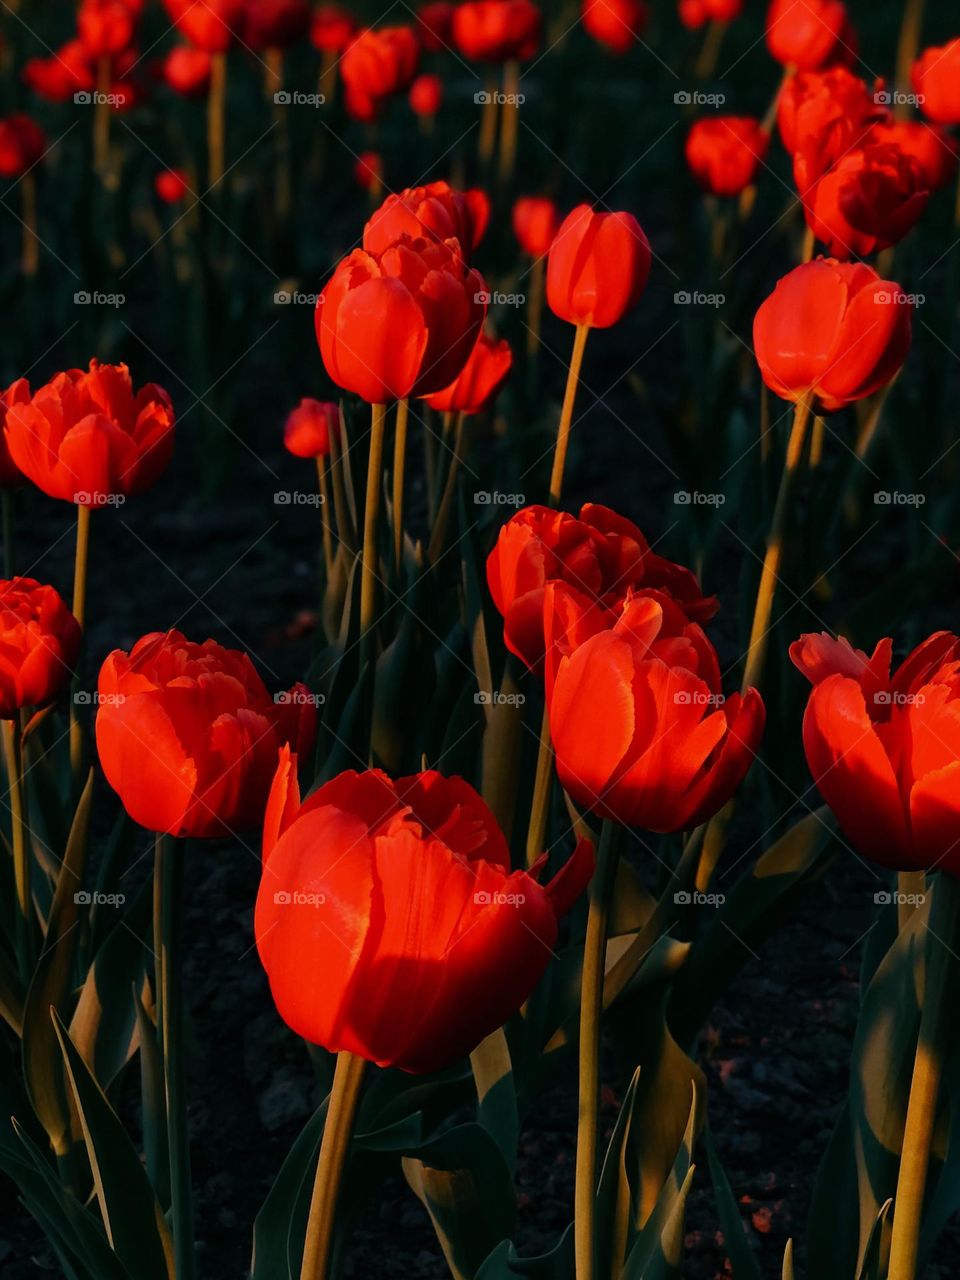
x,y
283,801
146,762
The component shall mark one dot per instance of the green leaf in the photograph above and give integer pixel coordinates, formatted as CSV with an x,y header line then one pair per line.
x,y
658,1250
156,1149
742,1260
877,1246
497,1094
788,1261
615,1230
283,1214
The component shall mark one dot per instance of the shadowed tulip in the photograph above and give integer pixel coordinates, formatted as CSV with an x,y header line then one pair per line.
x,y
39,644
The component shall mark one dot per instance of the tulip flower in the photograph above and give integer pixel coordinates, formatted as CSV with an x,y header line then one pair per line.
x,y
497,30
697,13
936,80
66,72
171,185
22,145
376,65
479,382
10,474
332,28
368,172
39,647
933,148
725,152
436,211
871,198
535,220
642,732
426,96
310,428
275,24
457,942
599,556
597,269
212,26
434,25
810,35
616,24
824,114
105,27
187,71
188,735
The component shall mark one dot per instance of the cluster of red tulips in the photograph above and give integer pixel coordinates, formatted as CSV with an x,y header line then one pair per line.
x,y
464,929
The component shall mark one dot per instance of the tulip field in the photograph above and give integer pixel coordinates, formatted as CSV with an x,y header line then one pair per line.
x,y
479,640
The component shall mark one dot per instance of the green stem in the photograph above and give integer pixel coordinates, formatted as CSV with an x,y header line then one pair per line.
x,y
371,514
399,465
79,612
21,850
566,414
935,1020
591,1008
540,804
439,534
168,872
338,1126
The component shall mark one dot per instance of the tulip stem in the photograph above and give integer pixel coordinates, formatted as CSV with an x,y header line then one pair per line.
x,y
337,1128
399,465
710,51
510,126
216,112
273,83
439,534
540,804
325,515
79,612
591,1007
907,48
816,441
368,579
759,632
346,533
168,873
30,260
21,851
535,305
101,119
488,123
925,1086
566,413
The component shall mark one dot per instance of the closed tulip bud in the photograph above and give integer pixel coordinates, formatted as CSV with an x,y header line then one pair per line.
x,y
436,211
401,323
869,200
434,25
825,113
725,152
936,80
189,737
105,27
213,25
600,556
833,329
332,28
59,77
22,145
376,65
87,438
426,95
17,393
171,185
187,71
931,146
39,644
497,30
884,748
810,34
400,894
616,24
275,24
311,427
535,222
479,381
598,267
368,170
696,13
642,732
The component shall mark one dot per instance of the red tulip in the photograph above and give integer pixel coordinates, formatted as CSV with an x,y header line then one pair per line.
x,y
597,268
497,30
310,428
402,322
868,201
105,27
834,329
17,393
212,25
600,556
332,28
936,80
189,737
696,13
810,34
884,750
275,24
434,23
375,65
86,438
535,223
389,921
59,77
617,24
479,381
39,644
171,185
22,145
436,211
642,733
426,95
187,71
824,114
725,152
931,146
368,170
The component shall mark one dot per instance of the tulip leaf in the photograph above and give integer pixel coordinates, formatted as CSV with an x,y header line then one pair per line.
x,y
504,1263
465,1185
351,737
404,684
877,1246
742,1260
283,1214
156,1149
788,1273
135,1226
615,1229
11,993
496,1093
42,1066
